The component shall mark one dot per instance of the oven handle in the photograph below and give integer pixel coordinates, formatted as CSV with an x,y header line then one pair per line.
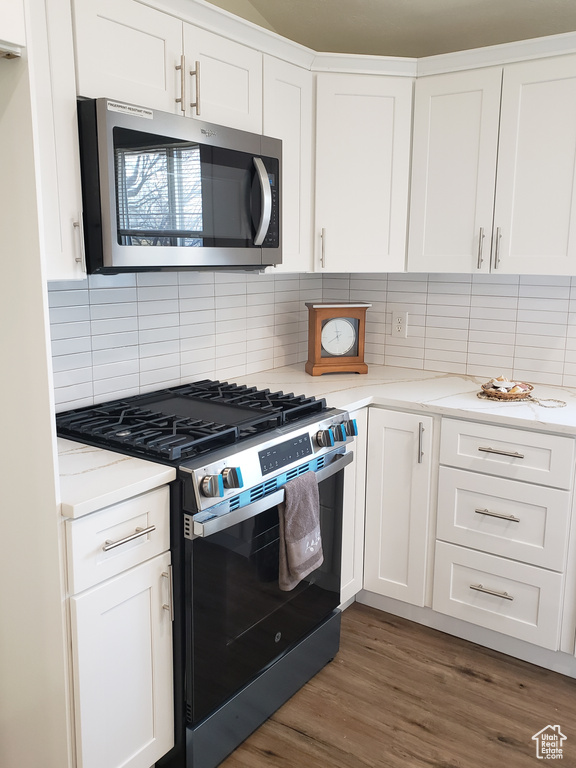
x,y
218,524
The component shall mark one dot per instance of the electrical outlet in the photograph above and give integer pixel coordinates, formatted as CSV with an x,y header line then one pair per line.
x,y
399,323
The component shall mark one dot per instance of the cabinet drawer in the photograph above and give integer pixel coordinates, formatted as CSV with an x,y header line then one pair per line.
x,y
504,517
526,603
105,543
534,457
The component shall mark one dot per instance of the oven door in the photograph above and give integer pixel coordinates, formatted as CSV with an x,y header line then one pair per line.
x,y
238,621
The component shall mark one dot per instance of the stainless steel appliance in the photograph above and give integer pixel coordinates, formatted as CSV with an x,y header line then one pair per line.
x,y
162,191
242,646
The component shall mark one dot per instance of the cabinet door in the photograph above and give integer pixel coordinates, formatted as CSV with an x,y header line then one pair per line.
x,y
12,29
454,171
128,51
288,110
122,651
535,212
363,127
353,512
51,59
397,504
227,84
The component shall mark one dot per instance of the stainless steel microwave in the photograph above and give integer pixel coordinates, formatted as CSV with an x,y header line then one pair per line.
x,y
163,191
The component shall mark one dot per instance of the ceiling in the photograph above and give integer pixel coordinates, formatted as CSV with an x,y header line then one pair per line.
x,y
410,28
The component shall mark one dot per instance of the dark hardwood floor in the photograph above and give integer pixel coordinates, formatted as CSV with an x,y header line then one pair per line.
x,y
401,695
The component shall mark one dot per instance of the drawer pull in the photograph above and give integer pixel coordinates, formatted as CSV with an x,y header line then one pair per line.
x,y
513,454
108,545
499,515
480,588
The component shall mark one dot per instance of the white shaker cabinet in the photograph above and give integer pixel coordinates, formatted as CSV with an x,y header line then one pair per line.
x,y
398,479
453,171
492,186
288,115
353,512
121,633
151,60
363,133
58,193
223,82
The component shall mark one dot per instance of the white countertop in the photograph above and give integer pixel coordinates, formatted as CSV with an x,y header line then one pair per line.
x,y
91,478
413,390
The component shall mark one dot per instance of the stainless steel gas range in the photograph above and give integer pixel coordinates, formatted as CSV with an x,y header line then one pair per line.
x,y
242,645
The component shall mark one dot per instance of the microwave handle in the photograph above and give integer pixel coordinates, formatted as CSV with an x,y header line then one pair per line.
x,y
266,214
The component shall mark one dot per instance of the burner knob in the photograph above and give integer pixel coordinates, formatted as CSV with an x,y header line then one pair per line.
x,y
325,438
232,477
351,427
340,433
212,486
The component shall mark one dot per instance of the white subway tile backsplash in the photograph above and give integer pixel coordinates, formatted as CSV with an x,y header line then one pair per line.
x,y
116,335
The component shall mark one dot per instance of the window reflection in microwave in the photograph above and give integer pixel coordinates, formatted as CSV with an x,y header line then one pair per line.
x,y
159,195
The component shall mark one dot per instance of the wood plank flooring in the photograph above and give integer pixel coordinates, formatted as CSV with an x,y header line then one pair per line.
x,y
401,695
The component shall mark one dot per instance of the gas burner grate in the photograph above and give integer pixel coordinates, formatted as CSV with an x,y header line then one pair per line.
x,y
181,422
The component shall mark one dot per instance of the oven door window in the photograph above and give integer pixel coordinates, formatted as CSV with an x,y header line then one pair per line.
x,y
240,620
182,193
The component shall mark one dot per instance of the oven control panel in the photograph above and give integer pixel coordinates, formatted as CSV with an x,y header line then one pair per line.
x,y
282,454
261,458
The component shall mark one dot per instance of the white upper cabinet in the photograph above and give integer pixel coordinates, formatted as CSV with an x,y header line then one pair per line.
x,y
12,27
493,187
151,60
224,80
127,51
535,210
363,131
288,115
453,171
59,196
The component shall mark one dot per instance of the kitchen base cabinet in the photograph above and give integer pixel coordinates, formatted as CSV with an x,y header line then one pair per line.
x,y
353,515
510,597
119,578
398,480
122,641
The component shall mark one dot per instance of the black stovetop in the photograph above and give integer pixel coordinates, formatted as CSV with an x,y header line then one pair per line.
x,y
178,423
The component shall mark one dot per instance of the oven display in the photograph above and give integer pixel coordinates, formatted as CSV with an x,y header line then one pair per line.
x,y
285,453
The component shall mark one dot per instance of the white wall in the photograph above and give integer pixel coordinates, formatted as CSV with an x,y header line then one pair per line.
x,y
33,714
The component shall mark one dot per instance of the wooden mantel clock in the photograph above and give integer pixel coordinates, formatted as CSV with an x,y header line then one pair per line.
x,y
336,334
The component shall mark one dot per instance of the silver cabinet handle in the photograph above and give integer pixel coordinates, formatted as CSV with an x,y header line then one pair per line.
x,y
79,230
480,248
323,251
108,545
499,515
513,454
497,248
196,73
182,68
420,442
480,588
169,606
266,191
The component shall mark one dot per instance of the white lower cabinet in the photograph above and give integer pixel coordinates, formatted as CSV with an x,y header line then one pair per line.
x,y
500,594
121,633
353,512
502,541
398,479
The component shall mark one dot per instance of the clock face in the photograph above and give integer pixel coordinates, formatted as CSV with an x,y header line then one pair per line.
x,y
339,336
